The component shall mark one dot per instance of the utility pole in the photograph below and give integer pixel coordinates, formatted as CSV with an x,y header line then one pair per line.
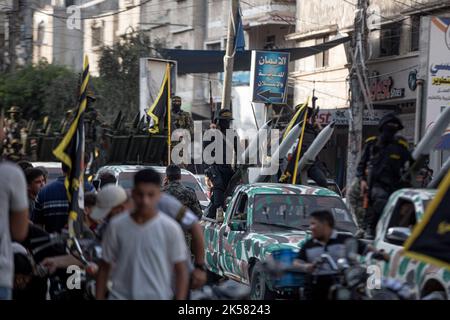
x,y
229,56
13,30
28,31
357,101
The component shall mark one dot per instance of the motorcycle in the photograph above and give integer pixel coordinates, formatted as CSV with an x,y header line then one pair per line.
x,y
226,290
29,269
349,277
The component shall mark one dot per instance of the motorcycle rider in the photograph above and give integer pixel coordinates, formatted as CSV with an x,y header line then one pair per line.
x,y
325,239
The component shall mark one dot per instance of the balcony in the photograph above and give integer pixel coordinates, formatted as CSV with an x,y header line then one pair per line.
x,y
257,13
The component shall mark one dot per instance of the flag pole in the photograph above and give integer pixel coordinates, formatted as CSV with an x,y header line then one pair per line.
x,y
169,111
228,59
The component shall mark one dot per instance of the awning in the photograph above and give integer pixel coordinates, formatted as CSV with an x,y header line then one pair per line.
x,y
211,61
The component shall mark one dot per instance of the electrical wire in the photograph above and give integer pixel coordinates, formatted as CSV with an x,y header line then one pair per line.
x,y
144,11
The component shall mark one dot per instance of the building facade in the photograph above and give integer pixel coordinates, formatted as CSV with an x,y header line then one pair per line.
x,y
395,49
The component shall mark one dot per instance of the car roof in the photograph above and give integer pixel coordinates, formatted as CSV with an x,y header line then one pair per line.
x,y
283,188
422,194
117,169
329,181
47,164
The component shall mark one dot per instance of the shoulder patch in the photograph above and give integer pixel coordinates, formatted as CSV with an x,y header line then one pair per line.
x,y
403,142
370,139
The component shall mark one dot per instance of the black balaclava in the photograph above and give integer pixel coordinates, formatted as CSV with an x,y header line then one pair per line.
x,y
176,105
388,132
224,124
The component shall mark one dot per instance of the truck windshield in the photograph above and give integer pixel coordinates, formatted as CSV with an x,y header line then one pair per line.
x,y
293,210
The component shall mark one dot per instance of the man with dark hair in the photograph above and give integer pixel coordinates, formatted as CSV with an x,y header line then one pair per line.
x,y
24,165
51,207
325,240
35,182
184,194
142,250
105,178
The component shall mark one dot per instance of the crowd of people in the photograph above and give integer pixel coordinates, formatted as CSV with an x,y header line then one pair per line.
x,y
142,235
152,244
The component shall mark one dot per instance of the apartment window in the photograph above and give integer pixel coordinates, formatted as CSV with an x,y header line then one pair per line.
x,y
415,32
70,3
213,46
270,43
322,57
40,33
97,33
390,39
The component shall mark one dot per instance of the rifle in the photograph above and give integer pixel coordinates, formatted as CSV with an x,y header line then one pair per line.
x,y
211,102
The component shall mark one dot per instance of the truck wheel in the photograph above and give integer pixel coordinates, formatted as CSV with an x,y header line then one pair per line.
x,y
258,285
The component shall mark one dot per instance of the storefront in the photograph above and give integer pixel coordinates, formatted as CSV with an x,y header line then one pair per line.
x,y
393,86
334,155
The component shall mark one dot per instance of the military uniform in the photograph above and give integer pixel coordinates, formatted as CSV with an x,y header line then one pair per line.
x,y
16,133
355,200
185,195
384,161
182,120
220,174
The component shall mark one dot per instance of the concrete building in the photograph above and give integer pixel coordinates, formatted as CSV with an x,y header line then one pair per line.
x,y
394,58
5,7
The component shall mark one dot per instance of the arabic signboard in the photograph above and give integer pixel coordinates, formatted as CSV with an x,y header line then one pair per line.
x,y
438,82
383,89
341,116
269,74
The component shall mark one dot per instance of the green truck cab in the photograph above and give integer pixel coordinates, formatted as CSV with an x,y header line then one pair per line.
x,y
259,219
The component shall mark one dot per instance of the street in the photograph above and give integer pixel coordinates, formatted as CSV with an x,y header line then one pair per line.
x,y
224,150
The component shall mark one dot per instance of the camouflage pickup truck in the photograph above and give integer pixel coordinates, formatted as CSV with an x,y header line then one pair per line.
x,y
259,219
404,209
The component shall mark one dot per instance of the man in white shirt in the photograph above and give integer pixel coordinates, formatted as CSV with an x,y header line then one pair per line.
x,y
142,250
13,217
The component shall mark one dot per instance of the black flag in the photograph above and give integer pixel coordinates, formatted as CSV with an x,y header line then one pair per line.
x,y
430,238
160,108
290,172
71,153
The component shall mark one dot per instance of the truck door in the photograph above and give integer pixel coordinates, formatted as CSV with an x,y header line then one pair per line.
x,y
397,225
234,231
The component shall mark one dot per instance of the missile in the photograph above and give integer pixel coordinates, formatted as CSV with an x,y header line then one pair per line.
x,y
426,145
280,153
441,174
319,142
251,152
432,136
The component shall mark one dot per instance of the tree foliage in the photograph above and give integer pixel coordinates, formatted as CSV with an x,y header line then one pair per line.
x,y
118,83
41,89
46,89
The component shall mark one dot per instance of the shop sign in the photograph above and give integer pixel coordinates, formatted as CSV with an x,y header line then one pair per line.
x,y
383,89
